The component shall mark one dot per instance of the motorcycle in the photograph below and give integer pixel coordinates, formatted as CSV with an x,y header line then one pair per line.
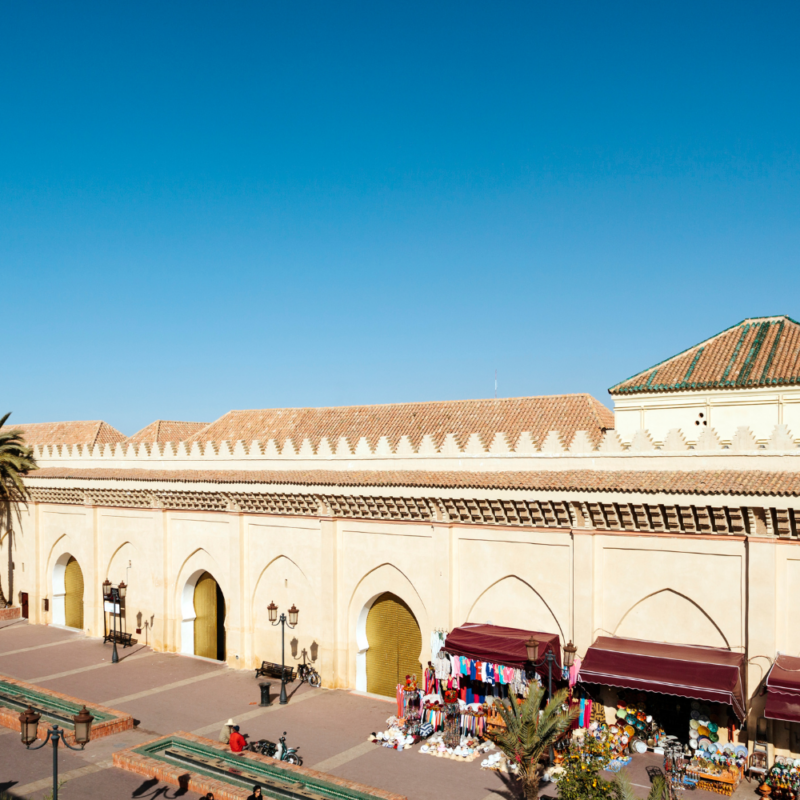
x,y
278,751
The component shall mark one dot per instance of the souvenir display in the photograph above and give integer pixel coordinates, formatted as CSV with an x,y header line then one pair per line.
x,y
474,681
498,762
408,726
395,736
608,745
782,782
708,767
410,705
456,717
468,748
454,705
635,730
705,724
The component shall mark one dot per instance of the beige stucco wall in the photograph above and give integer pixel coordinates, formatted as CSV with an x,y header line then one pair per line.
x,y
727,591
578,583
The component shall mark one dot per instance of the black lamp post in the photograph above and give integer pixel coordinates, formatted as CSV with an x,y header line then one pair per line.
x,y
283,622
114,595
29,723
532,647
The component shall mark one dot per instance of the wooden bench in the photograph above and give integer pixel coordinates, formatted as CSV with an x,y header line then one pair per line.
x,y
269,669
125,639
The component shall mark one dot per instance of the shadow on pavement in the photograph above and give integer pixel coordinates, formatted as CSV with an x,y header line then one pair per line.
x,y
144,791
134,652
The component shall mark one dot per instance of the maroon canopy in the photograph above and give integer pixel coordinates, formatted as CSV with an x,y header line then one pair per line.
x,y
783,690
702,673
500,645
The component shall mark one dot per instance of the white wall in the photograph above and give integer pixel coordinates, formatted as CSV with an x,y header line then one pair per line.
x,y
724,410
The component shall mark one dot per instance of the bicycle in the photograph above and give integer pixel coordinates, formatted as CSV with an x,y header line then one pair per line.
x,y
307,674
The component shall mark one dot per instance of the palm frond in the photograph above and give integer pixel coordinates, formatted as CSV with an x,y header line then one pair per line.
x,y
16,460
531,730
659,789
623,787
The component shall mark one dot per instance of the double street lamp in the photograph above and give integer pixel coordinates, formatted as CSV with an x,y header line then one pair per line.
x,y
283,622
29,724
549,658
114,595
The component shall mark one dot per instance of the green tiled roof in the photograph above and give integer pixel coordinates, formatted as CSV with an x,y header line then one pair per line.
x,y
758,352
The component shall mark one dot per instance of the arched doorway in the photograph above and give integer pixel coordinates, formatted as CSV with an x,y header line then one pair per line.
x,y
73,594
394,644
68,592
209,620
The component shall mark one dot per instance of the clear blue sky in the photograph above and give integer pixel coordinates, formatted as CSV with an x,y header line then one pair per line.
x,y
206,206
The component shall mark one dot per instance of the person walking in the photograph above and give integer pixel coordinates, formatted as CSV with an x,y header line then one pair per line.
x,y
237,741
225,733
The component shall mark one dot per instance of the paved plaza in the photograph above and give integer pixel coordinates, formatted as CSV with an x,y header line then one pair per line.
x,y
166,692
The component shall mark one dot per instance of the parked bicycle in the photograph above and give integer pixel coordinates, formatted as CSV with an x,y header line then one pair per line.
x,y
309,675
305,672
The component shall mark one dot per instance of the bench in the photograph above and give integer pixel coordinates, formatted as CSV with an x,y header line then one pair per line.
x,y
125,639
269,669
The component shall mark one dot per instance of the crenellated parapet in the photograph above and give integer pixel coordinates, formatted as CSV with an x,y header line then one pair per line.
x,y
458,453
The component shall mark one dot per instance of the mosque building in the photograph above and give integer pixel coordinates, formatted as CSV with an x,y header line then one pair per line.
x,y
673,519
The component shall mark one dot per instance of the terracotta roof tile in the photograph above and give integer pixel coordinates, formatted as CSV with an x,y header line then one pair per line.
x,y
538,415
762,351
82,432
702,482
163,430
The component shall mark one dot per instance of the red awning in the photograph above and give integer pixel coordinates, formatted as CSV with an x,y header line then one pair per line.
x,y
783,690
500,645
702,673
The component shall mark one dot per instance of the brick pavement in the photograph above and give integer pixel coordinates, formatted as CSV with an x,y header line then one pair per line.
x,y
166,692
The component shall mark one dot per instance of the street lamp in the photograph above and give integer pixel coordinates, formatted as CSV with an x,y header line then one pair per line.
x,y
114,595
29,723
532,648
294,612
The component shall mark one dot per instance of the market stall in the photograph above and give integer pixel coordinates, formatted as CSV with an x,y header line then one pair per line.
x,y
782,780
700,673
783,690
696,733
451,706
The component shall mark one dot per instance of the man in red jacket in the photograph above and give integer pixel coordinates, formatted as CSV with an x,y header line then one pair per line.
x,y
237,741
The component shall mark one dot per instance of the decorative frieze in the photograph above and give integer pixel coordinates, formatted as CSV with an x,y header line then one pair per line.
x,y
66,496
564,515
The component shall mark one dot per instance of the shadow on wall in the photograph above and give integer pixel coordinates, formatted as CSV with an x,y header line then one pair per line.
x,y
144,625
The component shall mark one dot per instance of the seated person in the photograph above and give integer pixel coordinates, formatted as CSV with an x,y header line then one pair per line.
x,y
237,741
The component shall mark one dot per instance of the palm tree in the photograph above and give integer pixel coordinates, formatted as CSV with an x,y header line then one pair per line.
x,y
16,459
530,732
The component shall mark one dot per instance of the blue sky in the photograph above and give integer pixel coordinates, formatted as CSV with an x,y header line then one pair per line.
x,y
232,205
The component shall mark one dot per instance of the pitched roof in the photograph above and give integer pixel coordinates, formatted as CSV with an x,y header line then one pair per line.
x,y
760,351
686,482
163,430
81,432
539,415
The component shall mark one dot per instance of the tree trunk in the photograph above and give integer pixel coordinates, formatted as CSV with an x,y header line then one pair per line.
x,y
9,543
530,786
